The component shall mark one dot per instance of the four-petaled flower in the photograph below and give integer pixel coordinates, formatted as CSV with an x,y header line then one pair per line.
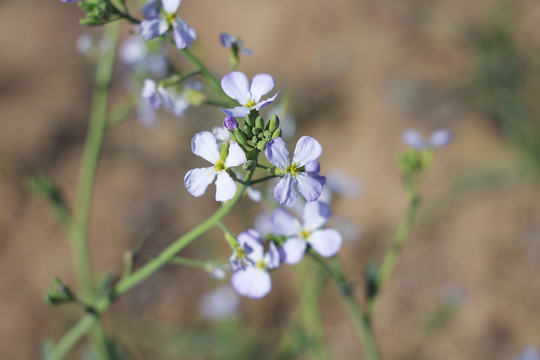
x,y
228,41
204,144
158,24
236,86
296,174
250,265
437,139
326,242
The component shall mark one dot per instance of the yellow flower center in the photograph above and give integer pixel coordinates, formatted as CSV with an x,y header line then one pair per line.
x,y
292,169
305,234
220,165
250,103
170,19
260,264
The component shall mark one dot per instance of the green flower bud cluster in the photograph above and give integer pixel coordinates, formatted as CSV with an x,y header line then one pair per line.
x,y
256,132
98,12
59,293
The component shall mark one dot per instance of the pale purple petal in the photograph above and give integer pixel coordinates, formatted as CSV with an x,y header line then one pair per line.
x,y
153,28
251,241
440,138
272,257
307,150
285,191
414,139
309,186
254,194
221,134
180,105
227,40
239,111
133,50
252,282
294,249
197,180
248,52
266,102
225,187
261,84
230,122
236,86
284,223
151,9
276,152
204,144
313,167
236,155
171,6
165,97
183,34
316,214
326,242
219,304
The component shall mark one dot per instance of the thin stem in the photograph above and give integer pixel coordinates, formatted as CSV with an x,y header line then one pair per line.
x,y
262,179
190,262
360,320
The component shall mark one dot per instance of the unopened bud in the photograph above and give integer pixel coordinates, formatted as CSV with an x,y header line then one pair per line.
x,y
259,123
249,119
276,133
273,124
230,123
255,131
247,130
261,145
240,137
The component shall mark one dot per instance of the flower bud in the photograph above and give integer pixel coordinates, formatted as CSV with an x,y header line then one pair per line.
x,y
261,145
247,130
255,131
273,124
59,294
240,137
230,123
249,119
259,123
276,133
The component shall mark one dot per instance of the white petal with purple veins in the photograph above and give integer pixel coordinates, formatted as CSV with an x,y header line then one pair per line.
x,y
261,84
307,150
171,6
183,34
197,180
285,191
272,258
252,282
315,215
326,242
309,186
236,86
236,155
414,139
204,144
284,223
239,111
153,28
276,152
294,249
225,187
266,102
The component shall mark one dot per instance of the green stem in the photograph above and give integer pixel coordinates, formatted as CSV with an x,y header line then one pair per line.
x,y
177,260
360,320
81,328
262,179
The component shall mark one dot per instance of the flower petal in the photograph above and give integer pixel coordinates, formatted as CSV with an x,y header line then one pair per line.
x,y
284,223
309,186
414,139
227,40
171,6
225,187
307,150
197,180
272,257
316,214
252,282
146,114
261,84
313,167
151,9
204,144
235,85
285,191
294,250
239,111
440,138
153,28
266,102
326,242
254,194
276,152
236,155
251,241
183,34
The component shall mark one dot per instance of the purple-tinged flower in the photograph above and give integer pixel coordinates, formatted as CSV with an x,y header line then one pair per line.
x,y
204,144
69,1
219,304
437,139
236,86
228,41
529,353
156,95
310,184
326,242
250,265
157,25
230,123
135,55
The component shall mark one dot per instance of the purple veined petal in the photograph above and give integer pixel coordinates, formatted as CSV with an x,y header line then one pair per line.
x,y
313,167
285,191
440,138
197,180
276,152
261,84
414,139
235,85
307,150
316,214
326,242
227,40
272,257
165,97
254,194
266,102
237,112
284,223
309,186
225,187
204,144
171,6
252,282
153,28
151,9
236,155
146,114
248,52
183,34
294,249
251,241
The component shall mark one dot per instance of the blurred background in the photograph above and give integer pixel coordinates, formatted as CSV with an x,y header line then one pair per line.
x,y
359,73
